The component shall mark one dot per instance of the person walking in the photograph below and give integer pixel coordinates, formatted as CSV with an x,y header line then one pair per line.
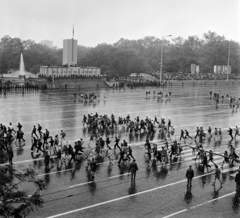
x,y
237,180
197,133
93,167
39,129
217,175
130,153
133,168
116,143
210,131
210,156
205,162
189,175
34,131
46,159
236,132
34,143
59,157
122,153
63,135
187,134
19,126
230,132
10,155
182,135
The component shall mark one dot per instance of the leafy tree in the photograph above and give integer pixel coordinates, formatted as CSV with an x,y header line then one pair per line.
x,y
14,201
128,56
11,49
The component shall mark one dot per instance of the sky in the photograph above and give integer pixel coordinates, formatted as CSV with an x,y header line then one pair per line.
x,y
107,21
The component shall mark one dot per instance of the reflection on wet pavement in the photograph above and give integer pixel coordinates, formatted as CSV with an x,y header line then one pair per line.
x,y
158,192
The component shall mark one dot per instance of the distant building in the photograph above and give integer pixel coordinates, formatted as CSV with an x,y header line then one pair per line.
x,y
47,43
69,52
69,63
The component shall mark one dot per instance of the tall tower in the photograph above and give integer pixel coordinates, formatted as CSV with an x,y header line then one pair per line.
x,y
70,51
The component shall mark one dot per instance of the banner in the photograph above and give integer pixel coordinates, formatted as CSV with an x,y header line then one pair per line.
x,y
197,69
193,68
215,69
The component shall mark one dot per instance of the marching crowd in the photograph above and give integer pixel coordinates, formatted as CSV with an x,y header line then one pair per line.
x,y
57,146
99,126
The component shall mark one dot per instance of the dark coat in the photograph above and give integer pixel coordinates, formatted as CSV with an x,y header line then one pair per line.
x,y
190,173
133,167
237,178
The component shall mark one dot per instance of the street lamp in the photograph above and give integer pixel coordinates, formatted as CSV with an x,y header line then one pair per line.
x,y
228,70
161,63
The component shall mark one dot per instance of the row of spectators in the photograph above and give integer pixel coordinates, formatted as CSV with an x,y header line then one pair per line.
x,y
50,78
7,87
166,76
200,76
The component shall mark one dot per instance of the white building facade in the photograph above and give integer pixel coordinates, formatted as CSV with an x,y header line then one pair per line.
x,y
55,71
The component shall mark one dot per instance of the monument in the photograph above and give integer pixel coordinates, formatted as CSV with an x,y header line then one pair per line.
x,y
21,72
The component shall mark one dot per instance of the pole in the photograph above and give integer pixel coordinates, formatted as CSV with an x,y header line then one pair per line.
x,y
161,62
228,61
160,78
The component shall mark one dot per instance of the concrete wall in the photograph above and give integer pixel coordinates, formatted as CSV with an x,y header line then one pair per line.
x,y
81,84
71,84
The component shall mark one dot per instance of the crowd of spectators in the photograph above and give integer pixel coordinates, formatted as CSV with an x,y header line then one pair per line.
x,y
68,77
165,76
200,76
9,87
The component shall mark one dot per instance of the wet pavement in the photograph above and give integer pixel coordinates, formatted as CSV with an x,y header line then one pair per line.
x,y
158,192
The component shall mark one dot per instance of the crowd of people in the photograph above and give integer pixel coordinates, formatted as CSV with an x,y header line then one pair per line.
x,y
159,95
88,97
234,102
9,87
57,147
103,123
197,76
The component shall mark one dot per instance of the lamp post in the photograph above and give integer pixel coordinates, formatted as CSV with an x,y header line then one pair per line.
x,y
228,61
161,63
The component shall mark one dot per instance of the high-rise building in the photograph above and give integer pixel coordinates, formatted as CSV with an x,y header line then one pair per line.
x,y
47,43
70,52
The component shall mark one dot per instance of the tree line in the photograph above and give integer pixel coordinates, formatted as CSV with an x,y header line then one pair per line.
x,y
128,56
